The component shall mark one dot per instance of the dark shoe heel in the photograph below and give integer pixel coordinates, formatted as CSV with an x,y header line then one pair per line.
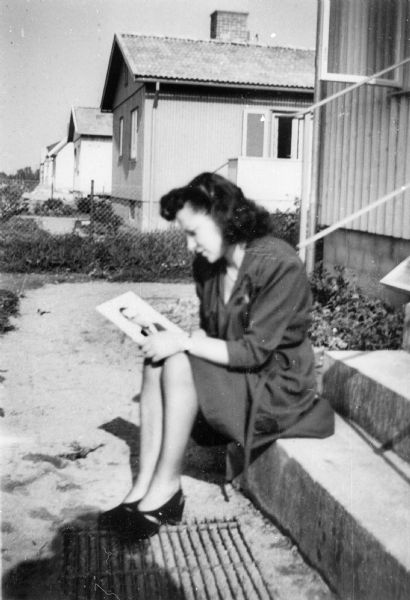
x,y
133,524
117,517
170,512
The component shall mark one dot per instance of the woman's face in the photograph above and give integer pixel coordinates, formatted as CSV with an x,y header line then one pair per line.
x,y
203,234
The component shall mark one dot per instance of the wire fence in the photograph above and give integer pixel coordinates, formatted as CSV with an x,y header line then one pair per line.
x,y
83,234
87,234
83,215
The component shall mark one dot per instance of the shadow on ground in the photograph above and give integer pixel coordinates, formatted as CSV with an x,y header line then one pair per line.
x,y
206,463
40,579
87,573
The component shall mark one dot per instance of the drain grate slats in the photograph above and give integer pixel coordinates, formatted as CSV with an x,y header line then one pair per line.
x,y
207,560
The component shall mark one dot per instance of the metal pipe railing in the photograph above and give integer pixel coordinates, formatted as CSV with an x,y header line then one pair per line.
x,y
350,88
353,216
303,241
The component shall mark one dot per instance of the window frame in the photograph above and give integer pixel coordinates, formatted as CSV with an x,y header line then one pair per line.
x,y
296,140
266,114
134,134
121,137
270,138
326,75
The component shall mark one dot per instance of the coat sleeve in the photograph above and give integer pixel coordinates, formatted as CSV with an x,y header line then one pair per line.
x,y
278,313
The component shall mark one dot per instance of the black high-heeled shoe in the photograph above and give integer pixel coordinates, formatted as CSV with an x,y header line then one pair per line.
x,y
133,524
117,517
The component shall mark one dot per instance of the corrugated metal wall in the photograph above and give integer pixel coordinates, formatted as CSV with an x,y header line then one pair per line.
x,y
365,135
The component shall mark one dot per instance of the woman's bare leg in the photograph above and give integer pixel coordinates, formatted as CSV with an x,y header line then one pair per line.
x,y
179,411
151,419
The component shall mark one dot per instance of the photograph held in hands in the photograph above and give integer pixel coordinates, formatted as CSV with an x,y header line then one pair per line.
x,y
135,317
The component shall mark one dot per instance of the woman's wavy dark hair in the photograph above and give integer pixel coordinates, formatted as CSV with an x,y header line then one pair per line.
x,y
240,219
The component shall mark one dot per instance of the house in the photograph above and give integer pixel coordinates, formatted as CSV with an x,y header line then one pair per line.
x,y
56,169
56,174
182,106
90,131
363,141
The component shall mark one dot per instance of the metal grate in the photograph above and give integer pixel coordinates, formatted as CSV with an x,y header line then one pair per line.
x,y
199,561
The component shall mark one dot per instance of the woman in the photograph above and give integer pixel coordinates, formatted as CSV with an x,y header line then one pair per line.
x,y
247,375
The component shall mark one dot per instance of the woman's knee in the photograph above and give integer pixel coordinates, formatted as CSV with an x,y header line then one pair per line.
x,y
152,373
177,371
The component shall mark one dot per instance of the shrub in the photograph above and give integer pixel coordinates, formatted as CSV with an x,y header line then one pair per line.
x,y
8,307
150,256
84,205
53,207
24,247
345,318
11,199
286,225
128,255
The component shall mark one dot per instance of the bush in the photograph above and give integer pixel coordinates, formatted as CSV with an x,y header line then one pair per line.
x,y
128,255
24,247
53,207
84,205
8,307
11,199
345,318
286,226
137,256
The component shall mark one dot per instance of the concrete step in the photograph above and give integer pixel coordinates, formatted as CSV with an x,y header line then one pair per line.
x,y
373,390
346,507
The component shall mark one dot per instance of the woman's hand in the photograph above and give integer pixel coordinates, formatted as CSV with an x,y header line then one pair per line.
x,y
162,344
198,333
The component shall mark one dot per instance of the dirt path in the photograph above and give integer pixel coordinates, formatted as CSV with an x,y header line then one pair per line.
x,y
70,384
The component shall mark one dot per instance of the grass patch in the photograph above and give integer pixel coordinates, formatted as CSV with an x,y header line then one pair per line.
x,y
9,305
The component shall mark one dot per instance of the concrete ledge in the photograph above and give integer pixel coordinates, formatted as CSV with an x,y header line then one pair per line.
x,y
345,507
372,389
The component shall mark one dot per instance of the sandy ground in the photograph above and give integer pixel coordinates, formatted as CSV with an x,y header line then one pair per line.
x,y
69,391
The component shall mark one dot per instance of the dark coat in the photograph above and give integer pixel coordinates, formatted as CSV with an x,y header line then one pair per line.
x,y
268,389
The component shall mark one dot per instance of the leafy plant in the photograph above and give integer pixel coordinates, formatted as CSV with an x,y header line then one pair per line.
x,y
54,207
11,199
286,225
345,318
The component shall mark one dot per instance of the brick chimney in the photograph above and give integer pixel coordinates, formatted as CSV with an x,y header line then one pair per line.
x,y
228,26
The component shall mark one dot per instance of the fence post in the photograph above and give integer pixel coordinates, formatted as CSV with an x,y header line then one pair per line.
x,y
92,208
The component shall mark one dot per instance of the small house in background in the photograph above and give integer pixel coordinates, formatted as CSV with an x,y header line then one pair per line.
x,y
56,169
90,131
363,149
182,106
56,174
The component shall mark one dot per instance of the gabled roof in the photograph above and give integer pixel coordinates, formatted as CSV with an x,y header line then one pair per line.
x,y
211,61
56,148
89,121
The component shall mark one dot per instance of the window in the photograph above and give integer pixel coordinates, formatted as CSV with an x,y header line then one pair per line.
x,y
255,134
134,134
361,38
269,134
121,137
125,68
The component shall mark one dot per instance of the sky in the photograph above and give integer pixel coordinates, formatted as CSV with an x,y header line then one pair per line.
x,y
54,55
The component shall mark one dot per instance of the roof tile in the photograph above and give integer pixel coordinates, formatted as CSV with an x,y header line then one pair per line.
x,y
91,121
217,62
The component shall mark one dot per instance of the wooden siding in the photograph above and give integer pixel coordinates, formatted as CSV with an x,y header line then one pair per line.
x,y
195,133
127,173
364,139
